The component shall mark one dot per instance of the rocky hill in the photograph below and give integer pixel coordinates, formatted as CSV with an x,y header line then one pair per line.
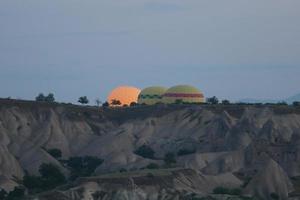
x,y
246,151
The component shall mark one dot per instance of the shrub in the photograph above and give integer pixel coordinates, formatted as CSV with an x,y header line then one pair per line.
x,y
51,176
150,175
42,97
274,196
56,153
116,102
83,166
212,100
132,104
183,152
152,166
296,103
225,102
222,190
33,183
83,100
3,194
105,104
122,170
170,158
50,98
16,194
145,151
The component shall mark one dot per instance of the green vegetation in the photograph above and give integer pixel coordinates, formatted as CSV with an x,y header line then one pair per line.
x,y
222,190
49,98
56,153
3,194
50,178
225,102
212,100
16,194
274,196
83,166
170,159
83,100
152,166
98,102
296,103
116,102
183,152
105,104
145,151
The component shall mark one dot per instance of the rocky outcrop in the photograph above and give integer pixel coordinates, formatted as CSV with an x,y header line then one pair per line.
x,y
231,141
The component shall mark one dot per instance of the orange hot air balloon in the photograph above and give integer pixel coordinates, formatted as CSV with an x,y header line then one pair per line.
x,y
124,94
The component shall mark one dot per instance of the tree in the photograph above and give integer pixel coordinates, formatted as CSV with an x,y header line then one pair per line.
x,y
274,196
56,153
33,183
16,194
170,158
105,104
50,98
213,100
145,151
98,102
40,97
296,103
116,102
83,100
51,176
152,166
132,104
282,103
225,102
83,166
3,194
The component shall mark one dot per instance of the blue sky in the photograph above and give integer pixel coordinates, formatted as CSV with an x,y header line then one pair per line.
x,y
232,49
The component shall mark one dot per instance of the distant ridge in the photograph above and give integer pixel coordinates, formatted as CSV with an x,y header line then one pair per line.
x,y
288,100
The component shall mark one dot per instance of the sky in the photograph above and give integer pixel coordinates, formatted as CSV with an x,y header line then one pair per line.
x,y
233,49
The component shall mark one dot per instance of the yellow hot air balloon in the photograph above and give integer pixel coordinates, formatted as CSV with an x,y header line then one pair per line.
x,y
184,94
151,95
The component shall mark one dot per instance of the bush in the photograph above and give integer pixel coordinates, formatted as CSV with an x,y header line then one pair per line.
x,y
105,104
83,166
50,98
51,176
152,166
183,152
296,103
170,159
116,102
56,153
222,190
145,151
83,100
33,183
3,194
212,100
225,102
274,196
42,97
16,194
122,170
